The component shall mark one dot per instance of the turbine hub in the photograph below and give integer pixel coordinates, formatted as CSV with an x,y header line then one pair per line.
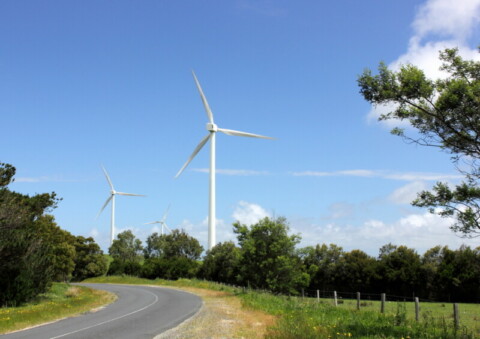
x,y
212,127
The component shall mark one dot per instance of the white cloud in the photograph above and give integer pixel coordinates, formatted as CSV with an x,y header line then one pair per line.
x,y
406,194
248,213
402,176
438,24
238,172
447,18
418,231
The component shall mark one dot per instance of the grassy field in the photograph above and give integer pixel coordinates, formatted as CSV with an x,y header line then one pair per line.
x,y
62,300
307,318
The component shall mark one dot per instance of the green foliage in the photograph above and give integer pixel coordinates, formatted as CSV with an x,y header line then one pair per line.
x,y
171,256
89,259
171,268
268,257
222,263
126,247
33,249
446,114
399,269
175,244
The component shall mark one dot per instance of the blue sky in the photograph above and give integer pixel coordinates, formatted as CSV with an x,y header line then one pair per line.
x,y
96,82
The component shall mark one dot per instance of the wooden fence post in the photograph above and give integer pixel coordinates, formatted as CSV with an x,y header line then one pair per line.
x,y
335,298
382,306
417,309
358,300
318,295
303,294
456,316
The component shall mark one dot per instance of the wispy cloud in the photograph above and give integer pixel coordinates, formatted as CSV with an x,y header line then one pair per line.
x,y
41,179
238,172
403,176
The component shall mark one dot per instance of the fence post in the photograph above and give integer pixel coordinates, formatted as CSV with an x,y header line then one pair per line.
x,y
318,295
382,306
417,309
358,300
335,298
456,316
303,294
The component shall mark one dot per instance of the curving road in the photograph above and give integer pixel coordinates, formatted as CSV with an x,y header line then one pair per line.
x,y
139,312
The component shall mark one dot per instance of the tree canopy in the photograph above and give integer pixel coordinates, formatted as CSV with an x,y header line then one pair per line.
x,y
444,113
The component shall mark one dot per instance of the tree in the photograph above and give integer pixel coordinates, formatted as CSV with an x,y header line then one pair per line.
x,y
268,256
89,259
171,256
175,244
126,252
222,263
445,114
399,269
356,271
321,262
28,261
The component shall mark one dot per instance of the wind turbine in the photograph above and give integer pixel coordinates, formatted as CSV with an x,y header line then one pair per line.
x,y
163,221
212,129
113,193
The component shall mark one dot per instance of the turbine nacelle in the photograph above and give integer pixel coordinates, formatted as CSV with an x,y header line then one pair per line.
x,y
211,127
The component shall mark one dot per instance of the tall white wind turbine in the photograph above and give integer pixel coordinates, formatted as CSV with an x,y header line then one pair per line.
x,y
162,222
113,193
212,129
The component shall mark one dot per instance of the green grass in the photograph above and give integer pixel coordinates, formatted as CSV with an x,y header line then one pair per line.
x,y
307,318
62,300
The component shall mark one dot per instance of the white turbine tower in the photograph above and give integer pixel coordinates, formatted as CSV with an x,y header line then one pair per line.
x,y
212,128
163,221
113,193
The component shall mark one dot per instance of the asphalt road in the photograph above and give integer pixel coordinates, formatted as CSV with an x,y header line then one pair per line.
x,y
139,312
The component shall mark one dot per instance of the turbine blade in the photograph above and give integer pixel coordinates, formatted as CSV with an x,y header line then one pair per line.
x,y
165,224
153,222
204,99
166,213
104,205
108,178
197,149
130,194
242,134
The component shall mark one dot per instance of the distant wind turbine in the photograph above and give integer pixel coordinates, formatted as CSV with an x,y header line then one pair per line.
x,y
113,193
163,221
212,128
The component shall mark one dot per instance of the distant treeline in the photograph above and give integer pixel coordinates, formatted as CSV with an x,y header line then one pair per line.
x,y
267,258
35,251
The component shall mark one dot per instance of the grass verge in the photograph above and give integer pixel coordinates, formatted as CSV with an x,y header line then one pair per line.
x,y
62,300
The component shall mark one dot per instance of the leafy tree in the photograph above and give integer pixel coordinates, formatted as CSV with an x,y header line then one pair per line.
x,y
126,247
126,252
356,271
399,269
446,114
322,262
222,263
171,256
268,256
89,259
27,256
175,244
